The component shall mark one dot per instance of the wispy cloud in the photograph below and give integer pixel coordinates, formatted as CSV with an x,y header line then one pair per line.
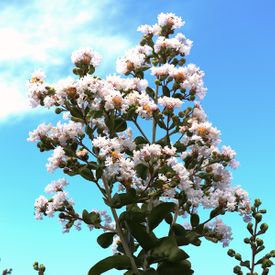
x,y
43,34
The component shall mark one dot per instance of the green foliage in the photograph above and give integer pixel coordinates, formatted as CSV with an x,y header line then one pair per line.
x,y
159,213
119,262
106,239
91,218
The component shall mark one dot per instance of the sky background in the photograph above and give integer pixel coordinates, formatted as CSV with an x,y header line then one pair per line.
x,y
234,45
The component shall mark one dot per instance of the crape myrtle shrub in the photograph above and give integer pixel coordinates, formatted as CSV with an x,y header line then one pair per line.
x,y
169,174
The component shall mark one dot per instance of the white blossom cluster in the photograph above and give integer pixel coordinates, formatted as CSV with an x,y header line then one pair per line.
x,y
134,59
184,155
48,207
189,77
86,56
61,203
115,93
180,44
221,230
63,132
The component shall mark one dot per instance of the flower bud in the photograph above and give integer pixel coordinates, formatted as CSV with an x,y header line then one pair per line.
x,y
263,211
258,217
250,227
58,110
155,62
237,269
238,256
61,215
264,227
42,268
157,82
257,202
266,263
192,97
259,242
35,266
246,240
231,253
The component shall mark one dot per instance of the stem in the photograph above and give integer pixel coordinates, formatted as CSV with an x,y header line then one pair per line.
x,y
154,131
254,248
119,230
167,129
175,215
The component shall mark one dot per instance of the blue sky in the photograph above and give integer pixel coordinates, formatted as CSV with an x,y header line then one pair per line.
x,y
234,45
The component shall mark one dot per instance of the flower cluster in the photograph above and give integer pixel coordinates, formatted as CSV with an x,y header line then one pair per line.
x,y
60,203
182,168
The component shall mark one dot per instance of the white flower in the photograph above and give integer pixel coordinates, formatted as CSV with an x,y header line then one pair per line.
x,y
49,101
55,160
56,186
147,29
65,88
133,59
194,80
86,56
205,131
41,131
170,102
36,89
170,20
38,76
223,231
147,153
180,44
40,206
231,154
163,70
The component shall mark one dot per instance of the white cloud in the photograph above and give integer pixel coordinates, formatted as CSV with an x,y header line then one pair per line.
x,y
13,102
43,34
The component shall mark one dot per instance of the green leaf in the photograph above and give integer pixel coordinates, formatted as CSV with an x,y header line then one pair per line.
x,y
180,147
150,92
91,70
142,170
92,165
161,124
99,172
89,132
183,236
75,112
146,240
195,220
138,217
120,124
169,218
140,74
123,199
109,121
165,91
86,173
91,218
106,239
150,271
140,140
76,119
181,268
158,213
119,262
167,248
